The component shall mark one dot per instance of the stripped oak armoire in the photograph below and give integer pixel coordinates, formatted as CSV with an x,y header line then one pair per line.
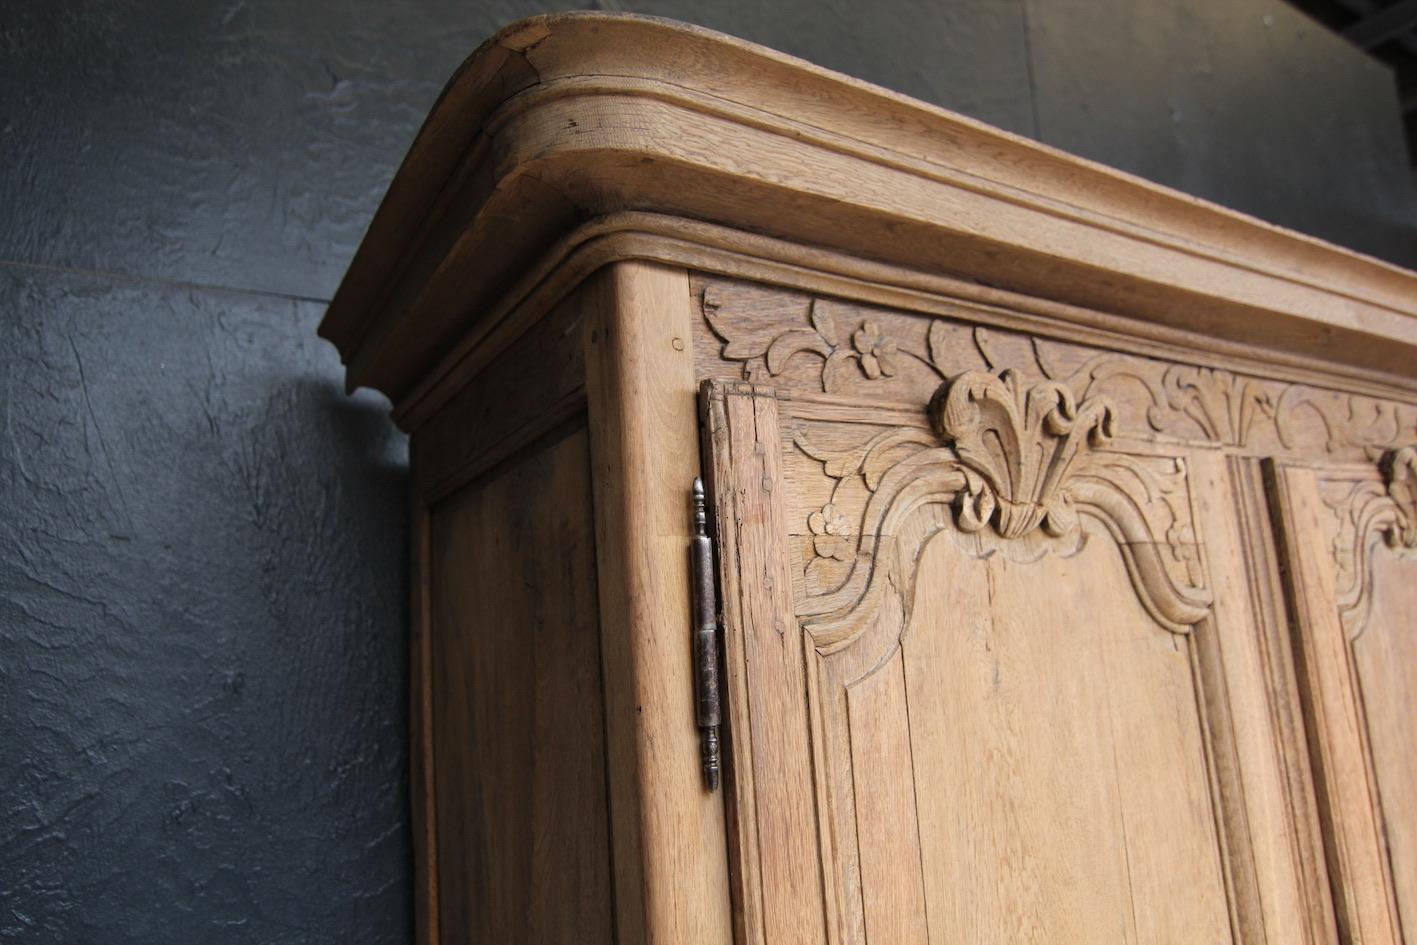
x,y
1054,575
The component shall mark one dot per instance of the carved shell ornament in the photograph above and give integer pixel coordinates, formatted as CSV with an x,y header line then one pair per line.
x,y
1022,460
1018,445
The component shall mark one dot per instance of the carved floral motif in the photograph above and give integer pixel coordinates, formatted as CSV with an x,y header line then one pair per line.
x,y
1015,465
1018,445
1400,470
904,357
866,353
876,351
1367,513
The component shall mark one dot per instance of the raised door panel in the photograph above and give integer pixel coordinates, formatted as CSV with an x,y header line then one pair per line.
x,y
977,687
1349,537
1056,738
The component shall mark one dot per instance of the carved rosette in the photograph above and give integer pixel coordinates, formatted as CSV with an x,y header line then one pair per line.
x,y
1018,445
1017,465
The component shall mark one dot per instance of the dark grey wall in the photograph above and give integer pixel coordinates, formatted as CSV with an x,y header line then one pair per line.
x,y
201,590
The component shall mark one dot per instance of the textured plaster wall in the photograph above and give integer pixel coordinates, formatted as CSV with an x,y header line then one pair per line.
x,y
202,670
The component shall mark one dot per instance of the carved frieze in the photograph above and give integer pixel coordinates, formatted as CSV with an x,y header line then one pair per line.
x,y
789,339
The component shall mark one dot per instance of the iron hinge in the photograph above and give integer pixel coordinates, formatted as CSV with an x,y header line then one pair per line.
x,y
705,643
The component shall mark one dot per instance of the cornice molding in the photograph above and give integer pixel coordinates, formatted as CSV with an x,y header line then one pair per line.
x,y
571,117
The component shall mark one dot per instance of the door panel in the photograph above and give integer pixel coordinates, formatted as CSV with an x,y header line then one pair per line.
x,y
1385,659
1057,729
976,684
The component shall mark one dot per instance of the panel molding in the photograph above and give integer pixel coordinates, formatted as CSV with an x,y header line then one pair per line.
x,y
1364,904
1019,465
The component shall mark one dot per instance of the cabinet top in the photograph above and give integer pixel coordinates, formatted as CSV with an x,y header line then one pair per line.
x,y
569,141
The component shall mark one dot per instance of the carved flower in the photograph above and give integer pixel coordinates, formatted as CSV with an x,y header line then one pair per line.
x,y
1181,539
876,350
830,531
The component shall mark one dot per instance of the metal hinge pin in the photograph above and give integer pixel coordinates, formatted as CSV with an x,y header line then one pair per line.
x,y
705,642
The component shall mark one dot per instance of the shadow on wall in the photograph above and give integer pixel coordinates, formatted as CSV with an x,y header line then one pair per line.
x,y
202,610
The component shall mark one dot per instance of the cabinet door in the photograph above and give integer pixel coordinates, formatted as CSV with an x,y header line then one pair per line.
x,y
1349,538
976,673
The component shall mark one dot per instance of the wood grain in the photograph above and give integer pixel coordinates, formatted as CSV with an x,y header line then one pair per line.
x,y
1333,711
421,762
779,863
1278,874
1061,774
623,113
946,815
522,812
1385,659
671,881
481,425
1021,644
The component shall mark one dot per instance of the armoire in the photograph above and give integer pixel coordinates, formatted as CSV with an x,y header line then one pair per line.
x,y
1054,578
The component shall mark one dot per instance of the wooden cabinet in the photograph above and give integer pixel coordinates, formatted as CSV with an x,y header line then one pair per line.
x,y
1066,526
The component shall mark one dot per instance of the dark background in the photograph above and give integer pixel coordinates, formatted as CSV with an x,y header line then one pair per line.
x,y
202,668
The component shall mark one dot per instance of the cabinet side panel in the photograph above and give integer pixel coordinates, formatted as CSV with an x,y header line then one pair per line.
x,y
517,712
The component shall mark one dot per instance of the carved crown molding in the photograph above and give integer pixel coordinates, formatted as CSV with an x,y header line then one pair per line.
x,y
1368,513
1014,466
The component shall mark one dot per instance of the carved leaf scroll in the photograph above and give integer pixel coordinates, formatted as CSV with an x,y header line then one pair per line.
x,y
1368,513
1017,464
1018,445
1400,470
776,335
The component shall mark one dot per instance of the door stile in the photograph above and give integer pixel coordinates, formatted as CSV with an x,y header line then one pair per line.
x,y
780,889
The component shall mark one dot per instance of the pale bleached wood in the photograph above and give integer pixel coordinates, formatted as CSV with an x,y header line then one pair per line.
x,y
481,425
635,114
1263,576
1105,701
735,253
885,790
517,731
812,343
1385,664
1352,832
1060,769
779,863
889,784
1274,848
670,858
